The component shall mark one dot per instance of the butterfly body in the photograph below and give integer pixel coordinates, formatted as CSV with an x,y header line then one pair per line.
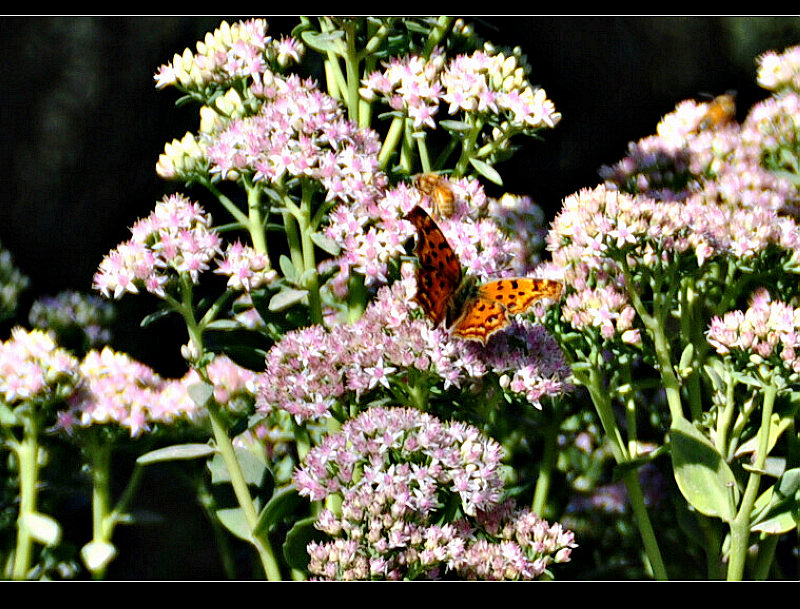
x,y
469,309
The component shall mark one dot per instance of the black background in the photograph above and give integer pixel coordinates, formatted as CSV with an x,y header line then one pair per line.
x,y
82,128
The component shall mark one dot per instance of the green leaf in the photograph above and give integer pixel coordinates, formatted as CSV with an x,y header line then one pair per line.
x,y
621,469
235,521
326,244
487,171
43,528
777,425
253,468
178,452
223,324
96,555
324,42
154,317
715,372
777,510
703,476
283,502
287,268
286,298
200,393
7,416
297,539
457,126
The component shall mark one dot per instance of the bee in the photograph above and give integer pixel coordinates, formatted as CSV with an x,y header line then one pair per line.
x,y
439,190
721,110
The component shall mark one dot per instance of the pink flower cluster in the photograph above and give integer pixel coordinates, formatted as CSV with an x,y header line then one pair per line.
x,y
394,469
241,50
177,238
116,390
246,268
481,82
597,228
722,163
299,132
34,368
311,370
410,84
767,330
780,71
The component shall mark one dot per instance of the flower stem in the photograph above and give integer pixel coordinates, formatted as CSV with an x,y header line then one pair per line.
x,y
549,456
740,527
242,493
602,403
27,453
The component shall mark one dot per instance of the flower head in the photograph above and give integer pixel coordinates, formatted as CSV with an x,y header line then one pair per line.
x,y
767,331
34,368
80,320
117,390
242,50
312,370
778,71
176,238
395,469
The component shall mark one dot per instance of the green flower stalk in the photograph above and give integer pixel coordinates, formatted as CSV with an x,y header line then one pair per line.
x,y
35,377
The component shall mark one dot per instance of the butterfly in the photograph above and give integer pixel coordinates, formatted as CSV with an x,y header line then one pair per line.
x,y
471,310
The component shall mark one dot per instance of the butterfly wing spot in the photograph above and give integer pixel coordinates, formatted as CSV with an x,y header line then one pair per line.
x,y
517,295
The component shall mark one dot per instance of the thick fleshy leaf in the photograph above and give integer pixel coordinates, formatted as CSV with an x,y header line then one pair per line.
x,y
97,554
178,452
777,510
282,503
326,244
287,298
487,171
200,393
703,476
42,528
297,540
235,521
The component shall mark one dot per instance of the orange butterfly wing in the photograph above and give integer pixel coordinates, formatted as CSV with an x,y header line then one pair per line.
x,y
439,277
488,311
439,272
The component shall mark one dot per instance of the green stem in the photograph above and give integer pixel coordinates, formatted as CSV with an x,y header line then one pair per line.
x,y
309,275
655,325
601,399
237,213
740,527
467,148
636,499
725,418
242,493
548,462
356,297
255,221
390,143
225,447
351,61
766,557
27,452
102,521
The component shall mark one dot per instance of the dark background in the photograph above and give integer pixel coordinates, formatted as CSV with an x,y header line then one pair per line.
x,y
82,128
